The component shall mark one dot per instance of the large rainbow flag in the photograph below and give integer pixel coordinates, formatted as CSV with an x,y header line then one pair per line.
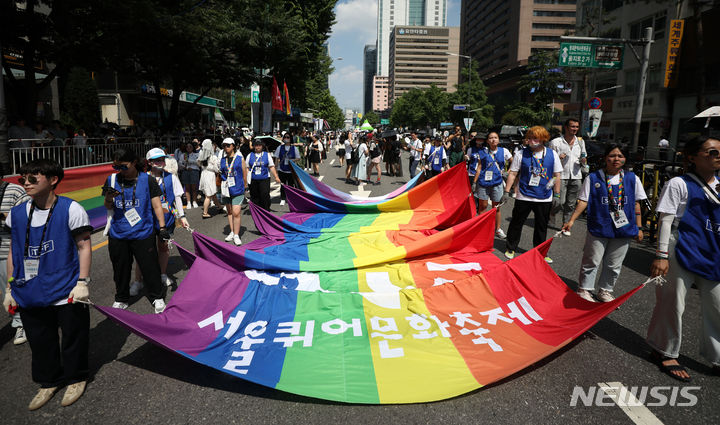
x,y
315,187
412,345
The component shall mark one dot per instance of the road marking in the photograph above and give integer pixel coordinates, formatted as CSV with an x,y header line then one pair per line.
x,y
361,192
100,245
636,411
332,161
321,178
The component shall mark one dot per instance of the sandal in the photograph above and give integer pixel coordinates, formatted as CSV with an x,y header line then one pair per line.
x,y
204,216
658,359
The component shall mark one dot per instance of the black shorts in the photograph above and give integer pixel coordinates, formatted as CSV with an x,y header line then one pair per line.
x,y
341,152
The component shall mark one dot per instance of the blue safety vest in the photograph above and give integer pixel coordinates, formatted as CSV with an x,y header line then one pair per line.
x,y
236,172
59,267
493,165
137,197
289,153
436,157
259,165
698,242
475,153
168,200
599,220
531,165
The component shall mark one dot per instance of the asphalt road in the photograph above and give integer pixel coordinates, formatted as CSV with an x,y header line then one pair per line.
x,y
133,381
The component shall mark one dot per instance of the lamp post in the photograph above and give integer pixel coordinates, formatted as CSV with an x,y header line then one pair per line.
x,y
469,58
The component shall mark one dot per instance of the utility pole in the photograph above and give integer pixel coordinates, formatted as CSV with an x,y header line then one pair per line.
x,y
647,39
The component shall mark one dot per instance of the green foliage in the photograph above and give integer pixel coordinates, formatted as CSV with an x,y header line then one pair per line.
x,y
242,110
421,107
542,80
522,114
81,107
474,90
372,117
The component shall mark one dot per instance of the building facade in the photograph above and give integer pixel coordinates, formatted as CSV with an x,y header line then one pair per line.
x,y
369,67
380,94
408,13
419,57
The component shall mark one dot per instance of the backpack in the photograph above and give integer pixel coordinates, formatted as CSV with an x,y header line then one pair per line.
x,y
354,156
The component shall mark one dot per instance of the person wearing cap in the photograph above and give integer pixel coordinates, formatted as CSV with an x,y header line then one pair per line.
x,y
488,180
435,157
260,166
134,202
233,175
172,208
285,154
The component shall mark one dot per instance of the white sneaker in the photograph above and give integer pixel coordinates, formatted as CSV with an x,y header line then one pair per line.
x,y
548,260
166,280
236,240
229,237
282,202
585,294
566,233
135,288
195,205
509,254
500,234
188,206
122,306
159,305
605,296
20,337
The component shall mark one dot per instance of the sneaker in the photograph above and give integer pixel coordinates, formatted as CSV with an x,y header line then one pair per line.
x,y
20,337
509,255
548,260
188,206
122,306
159,305
43,396
605,296
166,280
236,240
500,234
195,205
585,294
229,237
135,288
566,233
282,202
73,393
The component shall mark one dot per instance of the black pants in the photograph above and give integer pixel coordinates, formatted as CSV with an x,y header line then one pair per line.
x,y
144,251
520,212
286,179
260,192
55,362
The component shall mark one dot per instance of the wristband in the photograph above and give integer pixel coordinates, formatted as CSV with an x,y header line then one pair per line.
x,y
557,195
182,216
661,255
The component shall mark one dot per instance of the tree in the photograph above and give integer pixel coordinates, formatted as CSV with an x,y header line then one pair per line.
x,y
483,112
421,107
521,113
80,106
542,81
372,117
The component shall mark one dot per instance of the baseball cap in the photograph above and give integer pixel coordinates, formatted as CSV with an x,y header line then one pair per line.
x,y
155,153
228,141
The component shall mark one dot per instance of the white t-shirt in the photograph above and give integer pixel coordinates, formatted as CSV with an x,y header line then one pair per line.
x,y
271,163
517,162
287,158
176,185
572,167
416,144
77,218
348,149
614,180
189,163
506,153
674,196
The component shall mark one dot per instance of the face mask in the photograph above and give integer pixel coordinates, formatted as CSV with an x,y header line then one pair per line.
x,y
534,145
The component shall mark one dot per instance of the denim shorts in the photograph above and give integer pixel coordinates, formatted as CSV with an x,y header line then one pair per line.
x,y
493,193
233,200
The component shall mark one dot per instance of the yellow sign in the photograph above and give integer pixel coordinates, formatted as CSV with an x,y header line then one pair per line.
x,y
359,115
673,51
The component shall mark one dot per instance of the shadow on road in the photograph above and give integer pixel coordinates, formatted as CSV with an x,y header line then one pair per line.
x,y
107,338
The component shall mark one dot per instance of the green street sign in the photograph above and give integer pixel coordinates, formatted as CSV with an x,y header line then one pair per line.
x,y
384,121
587,55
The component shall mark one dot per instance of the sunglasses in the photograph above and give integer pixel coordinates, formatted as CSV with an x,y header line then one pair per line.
x,y
30,179
713,153
120,167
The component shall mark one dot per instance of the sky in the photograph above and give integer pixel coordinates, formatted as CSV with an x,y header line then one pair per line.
x,y
356,26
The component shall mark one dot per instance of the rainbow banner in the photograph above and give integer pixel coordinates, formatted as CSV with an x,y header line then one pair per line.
x,y
428,344
315,187
437,194
83,185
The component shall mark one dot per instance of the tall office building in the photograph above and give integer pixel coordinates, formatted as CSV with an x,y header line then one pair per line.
x,y
404,12
369,67
418,58
502,34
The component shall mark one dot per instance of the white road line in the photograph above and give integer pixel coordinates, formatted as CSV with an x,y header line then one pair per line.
x,y
636,411
332,161
321,177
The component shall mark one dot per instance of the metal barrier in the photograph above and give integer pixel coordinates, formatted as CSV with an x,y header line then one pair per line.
x,y
96,150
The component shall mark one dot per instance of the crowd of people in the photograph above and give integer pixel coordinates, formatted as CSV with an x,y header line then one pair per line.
x,y
147,195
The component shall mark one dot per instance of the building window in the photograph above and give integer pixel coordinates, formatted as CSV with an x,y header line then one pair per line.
x,y
554,1
554,13
545,38
657,22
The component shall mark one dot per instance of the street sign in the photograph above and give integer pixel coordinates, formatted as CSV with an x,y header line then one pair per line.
x,y
587,55
384,121
255,93
459,107
447,125
468,123
594,117
595,103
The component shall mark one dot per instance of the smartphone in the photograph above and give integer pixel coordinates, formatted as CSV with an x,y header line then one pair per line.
x,y
110,190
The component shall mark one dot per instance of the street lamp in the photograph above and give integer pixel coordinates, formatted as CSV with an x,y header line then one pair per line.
x,y
469,58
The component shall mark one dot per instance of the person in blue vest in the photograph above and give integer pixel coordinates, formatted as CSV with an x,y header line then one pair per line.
x,y
435,157
688,253
50,257
285,154
172,208
261,166
488,178
232,188
538,170
612,198
472,157
134,200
